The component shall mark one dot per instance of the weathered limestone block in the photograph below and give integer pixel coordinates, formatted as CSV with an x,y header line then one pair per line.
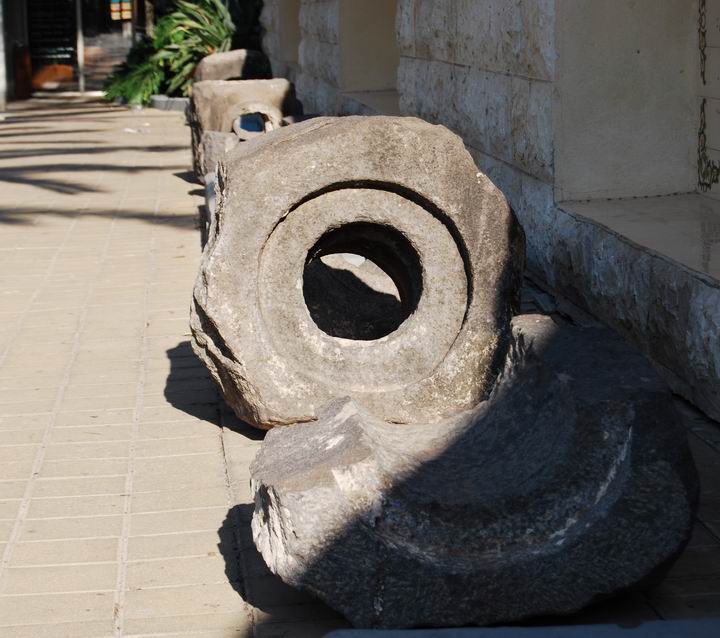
x,y
571,482
239,64
216,106
404,194
214,145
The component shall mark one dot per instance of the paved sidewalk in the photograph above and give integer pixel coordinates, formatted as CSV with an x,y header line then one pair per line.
x,y
113,484
124,501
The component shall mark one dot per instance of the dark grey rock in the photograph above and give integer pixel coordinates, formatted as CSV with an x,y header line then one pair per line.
x,y
402,192
238,64
571,482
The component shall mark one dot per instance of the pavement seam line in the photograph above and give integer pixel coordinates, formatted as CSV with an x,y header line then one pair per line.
x,y
40,455
151,267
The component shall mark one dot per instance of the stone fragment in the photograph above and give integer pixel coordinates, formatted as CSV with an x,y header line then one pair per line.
x,y
238,64
571,482
218,105
214,145
398,191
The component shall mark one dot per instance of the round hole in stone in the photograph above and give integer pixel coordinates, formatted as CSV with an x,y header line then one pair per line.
x,y
249,124
362,281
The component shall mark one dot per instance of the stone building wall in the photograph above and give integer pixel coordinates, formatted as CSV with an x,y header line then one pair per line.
x,y
507,75
319,79
280,23
485,69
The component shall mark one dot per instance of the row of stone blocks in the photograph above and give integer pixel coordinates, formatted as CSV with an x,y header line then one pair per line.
x,y
442,462
235,98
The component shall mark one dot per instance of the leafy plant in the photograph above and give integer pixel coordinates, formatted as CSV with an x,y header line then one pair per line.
x,y
166,61
139,78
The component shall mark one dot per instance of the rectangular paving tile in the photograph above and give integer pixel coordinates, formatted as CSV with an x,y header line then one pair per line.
x,y
78,528
171,499
92,505
189,600
58,608
204,543
171,572
60,552
96,629
60,578
91,450
83,467
205,519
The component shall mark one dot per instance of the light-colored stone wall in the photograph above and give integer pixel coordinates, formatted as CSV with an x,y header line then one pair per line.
x,y
280,42
558,99
483,68
319,79
346,47
626,112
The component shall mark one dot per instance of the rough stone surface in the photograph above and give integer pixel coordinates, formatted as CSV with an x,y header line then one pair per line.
x,y
214,145
399,191
215,105
239,64
668,310
573,481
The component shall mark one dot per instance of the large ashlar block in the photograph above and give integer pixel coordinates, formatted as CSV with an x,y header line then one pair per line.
x,y
320,60
321,20
507,117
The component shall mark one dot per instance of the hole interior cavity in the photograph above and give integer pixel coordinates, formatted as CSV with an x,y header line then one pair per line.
x,y
361,281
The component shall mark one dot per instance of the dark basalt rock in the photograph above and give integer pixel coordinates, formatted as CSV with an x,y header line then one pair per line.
x,y
571,482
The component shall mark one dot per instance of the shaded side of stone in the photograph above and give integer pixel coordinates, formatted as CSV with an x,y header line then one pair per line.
x,y
571,483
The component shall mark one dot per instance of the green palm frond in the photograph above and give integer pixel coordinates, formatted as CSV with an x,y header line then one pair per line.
x,y
167,62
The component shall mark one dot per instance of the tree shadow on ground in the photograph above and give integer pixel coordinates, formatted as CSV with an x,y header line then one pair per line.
x,y
189,177
189,386
37,176
97,149
23,132
25,217
52,115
